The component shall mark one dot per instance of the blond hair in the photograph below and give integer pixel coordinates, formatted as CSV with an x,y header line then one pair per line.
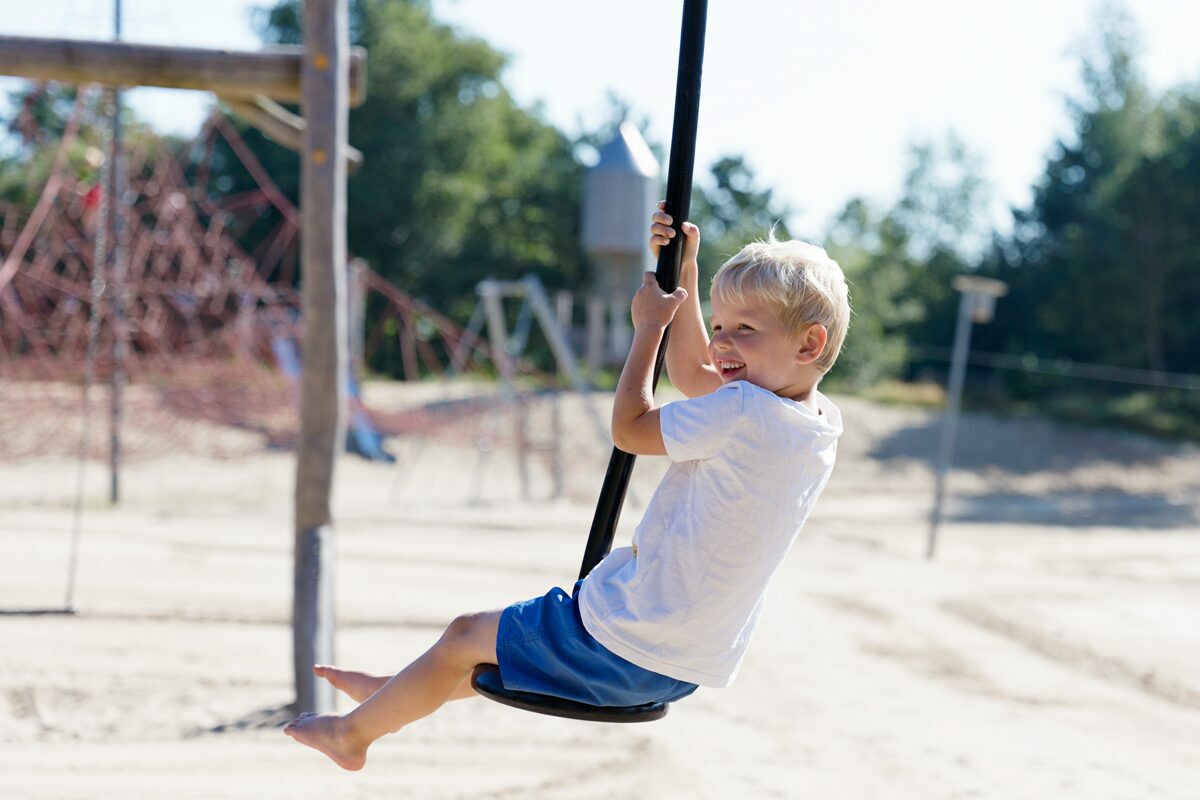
x,y
800,280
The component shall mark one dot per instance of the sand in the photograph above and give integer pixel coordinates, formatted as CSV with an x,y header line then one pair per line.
x,y
1052,650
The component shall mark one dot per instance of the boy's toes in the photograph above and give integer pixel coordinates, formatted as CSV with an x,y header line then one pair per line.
x,y
295,723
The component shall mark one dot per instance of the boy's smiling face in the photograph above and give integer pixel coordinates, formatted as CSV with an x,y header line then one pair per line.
x,y
750,343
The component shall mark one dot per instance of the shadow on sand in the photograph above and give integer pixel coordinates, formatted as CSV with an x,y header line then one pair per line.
x,y
264,718
1023,446
1076,509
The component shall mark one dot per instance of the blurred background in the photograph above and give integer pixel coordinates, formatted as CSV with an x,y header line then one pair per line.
x,y
1052,149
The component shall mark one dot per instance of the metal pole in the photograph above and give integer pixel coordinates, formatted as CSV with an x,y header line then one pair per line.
x,y
99,257
958,369
678,202
116,190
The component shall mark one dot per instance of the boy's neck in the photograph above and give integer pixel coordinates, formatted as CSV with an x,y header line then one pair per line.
x,y
803,392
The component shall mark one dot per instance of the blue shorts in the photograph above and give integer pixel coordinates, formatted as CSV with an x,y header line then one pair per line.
x,y
542,647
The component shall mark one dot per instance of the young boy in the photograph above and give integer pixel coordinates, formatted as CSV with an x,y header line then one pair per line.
x,y
750,453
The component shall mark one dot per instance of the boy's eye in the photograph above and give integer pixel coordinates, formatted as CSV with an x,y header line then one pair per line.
x,y
744,327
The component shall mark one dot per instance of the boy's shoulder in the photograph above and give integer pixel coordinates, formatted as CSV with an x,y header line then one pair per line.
x,y
770,427
828,411
826,416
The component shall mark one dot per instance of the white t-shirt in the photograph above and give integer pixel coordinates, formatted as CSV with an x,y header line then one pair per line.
x,y
747,467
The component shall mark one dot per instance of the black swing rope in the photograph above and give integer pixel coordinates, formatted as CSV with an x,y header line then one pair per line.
x,y
486,678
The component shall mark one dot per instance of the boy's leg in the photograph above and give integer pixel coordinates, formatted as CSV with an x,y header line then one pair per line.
x,y
416,691
424,685
464,691
360,685
353,683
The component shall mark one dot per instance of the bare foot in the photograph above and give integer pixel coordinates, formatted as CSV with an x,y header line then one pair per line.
x,y
358,685
327,733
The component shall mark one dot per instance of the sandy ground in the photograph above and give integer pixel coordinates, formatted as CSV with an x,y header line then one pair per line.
x,y
1052,650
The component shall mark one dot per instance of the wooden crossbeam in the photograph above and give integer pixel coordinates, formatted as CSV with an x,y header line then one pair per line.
x,y
281,125
273,73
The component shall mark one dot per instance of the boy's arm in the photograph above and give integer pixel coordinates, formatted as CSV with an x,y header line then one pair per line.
x,y
635,420
687,348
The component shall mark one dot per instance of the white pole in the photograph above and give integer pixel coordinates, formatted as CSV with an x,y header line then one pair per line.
x,y
958,369
556,335
564,307
117,267
595,337
490,292
619,336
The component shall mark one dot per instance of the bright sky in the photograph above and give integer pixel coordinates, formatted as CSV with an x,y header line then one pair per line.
x,y
822,98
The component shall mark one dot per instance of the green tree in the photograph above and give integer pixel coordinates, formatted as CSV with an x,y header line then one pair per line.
x,y
1105,258
459,183
1103,265
900,263
870,248
733,210
40,115
1078,266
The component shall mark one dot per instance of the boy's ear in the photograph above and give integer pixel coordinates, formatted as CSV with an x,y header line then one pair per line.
x,y
812,344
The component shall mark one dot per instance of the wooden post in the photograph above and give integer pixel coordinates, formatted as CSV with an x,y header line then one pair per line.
x,y
327,76
324,78
407,333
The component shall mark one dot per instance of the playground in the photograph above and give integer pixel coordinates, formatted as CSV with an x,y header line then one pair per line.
x,y
191,349
1050,650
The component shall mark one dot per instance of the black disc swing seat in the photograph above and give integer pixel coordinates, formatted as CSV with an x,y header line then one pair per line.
x,y
486,681
486,677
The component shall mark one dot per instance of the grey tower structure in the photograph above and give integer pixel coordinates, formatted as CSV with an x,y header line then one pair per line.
x,y
619,194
